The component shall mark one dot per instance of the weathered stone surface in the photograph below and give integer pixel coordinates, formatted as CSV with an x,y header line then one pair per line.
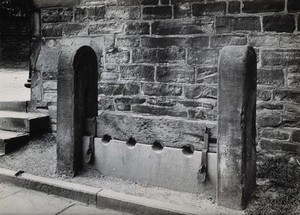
x,y
175,74
275,134
258,6
236,126
57,15
118,56
293,6
287,95
170,55
160,111
148,129
231,24
279,146
77,81
273,77
226,40
207,75
172,27
234,7
263,40
85,14
200,91
106,103
137,73
202,56
128,42
161,89
164,42
137,28
105,28
109,89
269,118
295,137
123,13
158,12
279,23
125,103
215,8
280,57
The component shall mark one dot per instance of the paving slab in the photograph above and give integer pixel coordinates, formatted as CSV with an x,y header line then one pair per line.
x,y
8,190
12,85
78,209
32,202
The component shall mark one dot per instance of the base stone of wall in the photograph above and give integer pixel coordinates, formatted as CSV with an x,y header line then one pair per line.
x,y
169,167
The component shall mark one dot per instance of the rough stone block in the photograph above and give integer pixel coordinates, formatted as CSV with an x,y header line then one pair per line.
x,y
207,75
105,28
75,29
174,27
137,73
157,12
125,103
164,42
118,56
168,55
258,6
106,103
279,23
280,57
52,30
200,91
295,136
160,111
86,14
156,89
234,7
144,164
169,131
175,74
263,40
274,134
123,13
182,10
287,95
273,77
149,2
128,42
215,8
57,15
226,40
228,24
202,56
236,126
293,6
137,28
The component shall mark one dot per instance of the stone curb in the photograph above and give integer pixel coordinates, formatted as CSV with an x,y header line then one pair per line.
x,y
102,198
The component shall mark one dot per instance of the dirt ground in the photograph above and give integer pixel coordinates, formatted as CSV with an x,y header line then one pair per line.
x,y
277,192
39,158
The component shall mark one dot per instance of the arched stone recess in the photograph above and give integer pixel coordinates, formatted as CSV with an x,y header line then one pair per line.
x,y
77,99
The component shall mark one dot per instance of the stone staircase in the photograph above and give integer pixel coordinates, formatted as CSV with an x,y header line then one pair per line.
x,y
17,125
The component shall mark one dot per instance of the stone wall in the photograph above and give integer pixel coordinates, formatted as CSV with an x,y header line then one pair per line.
x,y
14,40
160,59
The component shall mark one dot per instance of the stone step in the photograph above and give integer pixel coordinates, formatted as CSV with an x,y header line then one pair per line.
x,y
9,141
19,106
24,122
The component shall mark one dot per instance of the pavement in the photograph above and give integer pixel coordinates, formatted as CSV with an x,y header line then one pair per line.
x,y
12,84
16,200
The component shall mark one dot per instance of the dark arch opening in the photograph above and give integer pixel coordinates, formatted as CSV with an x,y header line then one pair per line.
x,y
85,66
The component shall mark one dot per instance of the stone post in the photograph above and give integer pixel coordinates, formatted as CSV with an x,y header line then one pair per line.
x,y
236,126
